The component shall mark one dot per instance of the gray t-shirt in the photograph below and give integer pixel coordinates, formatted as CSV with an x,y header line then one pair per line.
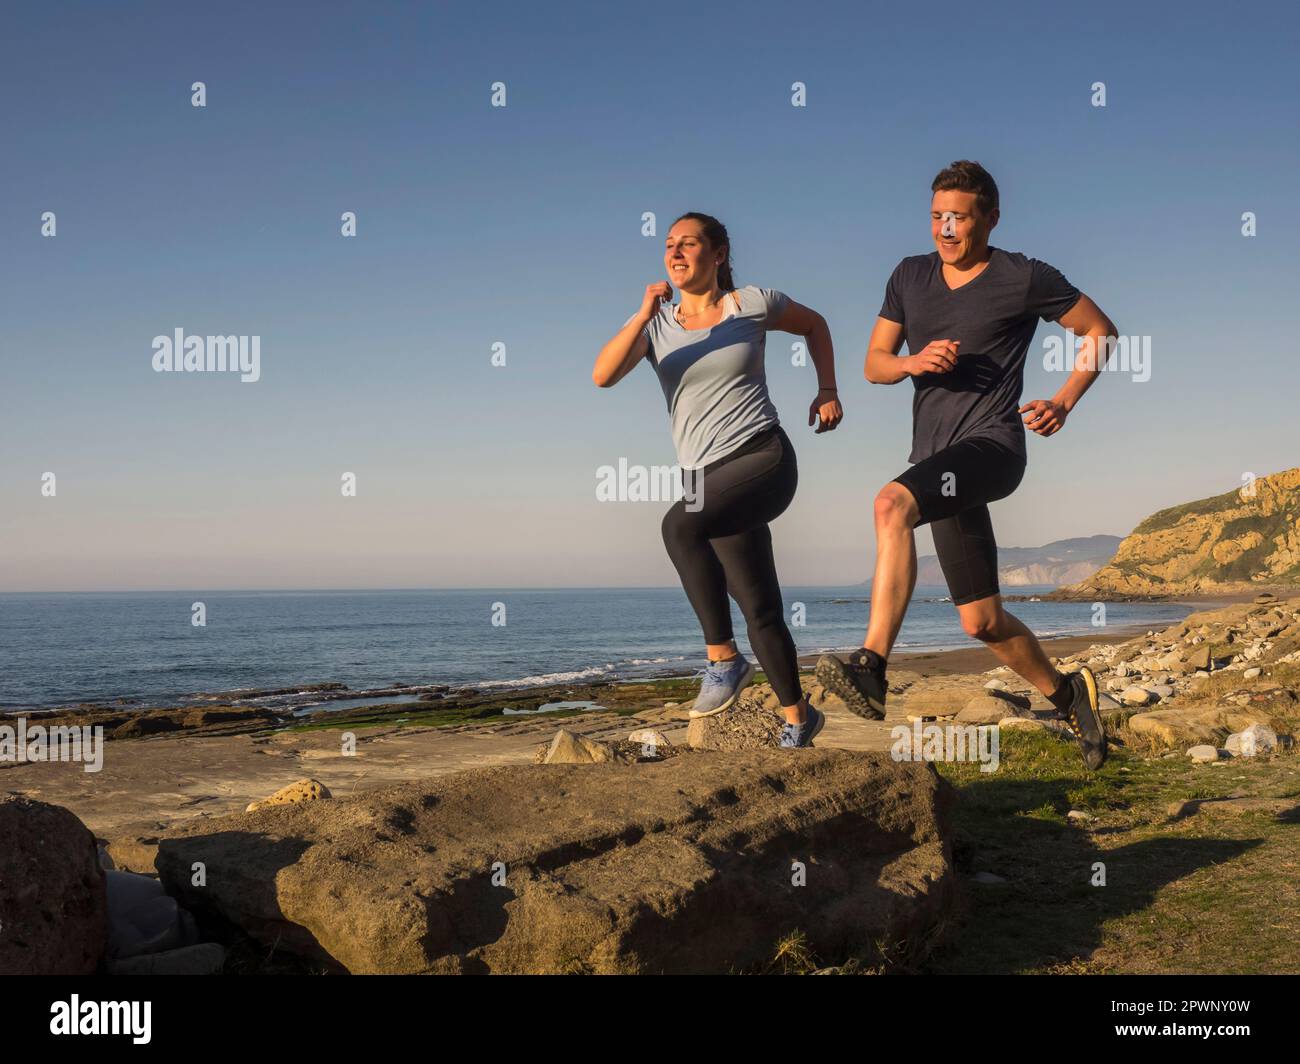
x,y
994,316
713,379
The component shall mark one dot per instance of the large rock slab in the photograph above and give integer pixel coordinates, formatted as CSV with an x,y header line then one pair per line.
x,y
684,865
53,901
993,707
1169,728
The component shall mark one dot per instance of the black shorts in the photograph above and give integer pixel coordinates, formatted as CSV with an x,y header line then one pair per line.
x,y
953,488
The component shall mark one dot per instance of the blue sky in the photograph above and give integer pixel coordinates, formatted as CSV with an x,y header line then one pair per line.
x,y
521,225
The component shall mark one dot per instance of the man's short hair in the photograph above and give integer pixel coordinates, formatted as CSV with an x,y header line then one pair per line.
x,y
967,176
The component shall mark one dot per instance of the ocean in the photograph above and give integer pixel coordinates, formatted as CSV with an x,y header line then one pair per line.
x,y
66,648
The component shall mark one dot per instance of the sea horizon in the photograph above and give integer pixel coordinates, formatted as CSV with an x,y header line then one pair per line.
x,y
68,648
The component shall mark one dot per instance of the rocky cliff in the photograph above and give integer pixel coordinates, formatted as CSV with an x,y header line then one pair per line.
x,y
1239,541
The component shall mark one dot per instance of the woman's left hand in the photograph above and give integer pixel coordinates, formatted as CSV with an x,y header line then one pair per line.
x,y
826,407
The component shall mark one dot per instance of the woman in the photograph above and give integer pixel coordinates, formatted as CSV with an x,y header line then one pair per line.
x,y
738,462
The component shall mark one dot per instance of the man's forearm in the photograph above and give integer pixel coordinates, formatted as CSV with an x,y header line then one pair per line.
x,y
1094,351
884,367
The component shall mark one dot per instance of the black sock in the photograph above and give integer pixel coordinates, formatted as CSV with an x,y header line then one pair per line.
x,y
870,659
1062,696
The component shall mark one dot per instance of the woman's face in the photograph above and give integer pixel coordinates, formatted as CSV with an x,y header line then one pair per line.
x,y
691,264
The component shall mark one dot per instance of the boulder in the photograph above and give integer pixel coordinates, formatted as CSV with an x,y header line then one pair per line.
x,y
1187,726
686,865
205,958
570,748
1203,754
649,738
298,791
143,919
1200,657
747,724
1038,724
53,899
1135,696
992,708
1257,739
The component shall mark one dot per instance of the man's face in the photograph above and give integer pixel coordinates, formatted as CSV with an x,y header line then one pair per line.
x,y
960,230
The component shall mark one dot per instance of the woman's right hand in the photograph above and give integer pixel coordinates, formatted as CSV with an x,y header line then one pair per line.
x,y
659,292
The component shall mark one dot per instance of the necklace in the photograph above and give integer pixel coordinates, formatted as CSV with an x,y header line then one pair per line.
x,y
697,313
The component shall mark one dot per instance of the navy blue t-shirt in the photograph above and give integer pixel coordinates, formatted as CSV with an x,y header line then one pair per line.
x,y
994,316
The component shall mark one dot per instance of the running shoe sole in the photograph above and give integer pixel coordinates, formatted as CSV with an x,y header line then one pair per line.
x,y
1092,708
834,675
745,682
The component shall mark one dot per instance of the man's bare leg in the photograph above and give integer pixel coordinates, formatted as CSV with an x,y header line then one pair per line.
x,y
1013,644
860,678
895,578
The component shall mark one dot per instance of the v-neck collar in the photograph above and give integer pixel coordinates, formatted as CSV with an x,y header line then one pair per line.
x,y
973,281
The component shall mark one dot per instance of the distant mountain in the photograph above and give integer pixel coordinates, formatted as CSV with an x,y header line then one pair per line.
x,y
1061,562
1238,541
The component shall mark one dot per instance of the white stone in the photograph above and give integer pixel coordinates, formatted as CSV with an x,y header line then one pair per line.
x,y
1257,739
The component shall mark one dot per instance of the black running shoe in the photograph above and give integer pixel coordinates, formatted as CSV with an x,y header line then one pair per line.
x,y
861,687
1083,717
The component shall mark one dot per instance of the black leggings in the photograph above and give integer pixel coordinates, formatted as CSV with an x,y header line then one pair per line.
x,y
717,537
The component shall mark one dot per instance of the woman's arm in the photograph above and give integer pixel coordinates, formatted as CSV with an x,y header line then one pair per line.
x,y
804,321
629,345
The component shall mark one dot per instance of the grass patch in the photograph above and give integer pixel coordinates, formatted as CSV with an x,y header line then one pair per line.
x,y
1207,893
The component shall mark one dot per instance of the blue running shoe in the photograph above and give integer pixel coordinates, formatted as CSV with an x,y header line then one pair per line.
x,y
723,681
793,735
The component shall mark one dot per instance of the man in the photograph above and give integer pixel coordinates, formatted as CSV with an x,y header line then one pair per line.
x,y
968,312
